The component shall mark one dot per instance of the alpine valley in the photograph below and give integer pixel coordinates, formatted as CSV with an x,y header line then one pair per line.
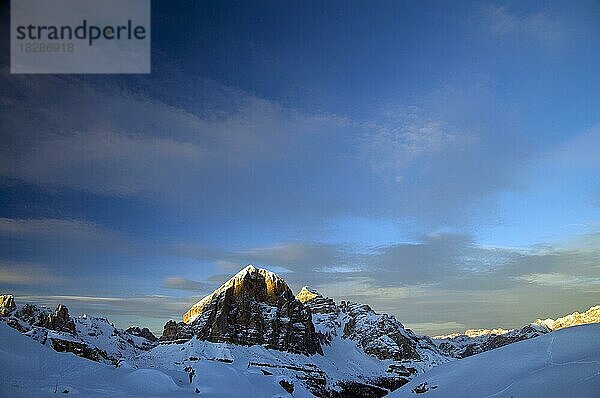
x,y
252,337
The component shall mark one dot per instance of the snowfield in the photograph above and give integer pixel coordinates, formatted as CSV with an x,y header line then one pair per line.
x,y
30,369
564,363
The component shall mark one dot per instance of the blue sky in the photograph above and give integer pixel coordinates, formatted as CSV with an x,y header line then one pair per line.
x,y
439,161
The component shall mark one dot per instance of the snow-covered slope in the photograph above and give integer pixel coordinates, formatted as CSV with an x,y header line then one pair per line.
x,y
30,369
218,370
564,363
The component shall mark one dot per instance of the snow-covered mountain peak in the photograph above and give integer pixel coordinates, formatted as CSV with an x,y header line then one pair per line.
x,y
250,280
250,271
255,306
592,315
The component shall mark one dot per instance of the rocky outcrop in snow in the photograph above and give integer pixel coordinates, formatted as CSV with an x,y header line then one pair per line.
x,y
325,313
254,307
176,332
89,337
57,320
379,335
142,332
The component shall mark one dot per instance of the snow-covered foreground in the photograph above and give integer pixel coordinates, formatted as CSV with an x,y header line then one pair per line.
x,y
30,369
564,363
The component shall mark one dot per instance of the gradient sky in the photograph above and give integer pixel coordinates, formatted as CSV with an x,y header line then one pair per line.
x,y
437,160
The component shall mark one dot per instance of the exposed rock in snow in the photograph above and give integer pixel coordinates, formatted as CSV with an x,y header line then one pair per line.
x,y
89,337
380,335
176,332
325,313
142,332
254,307
59,320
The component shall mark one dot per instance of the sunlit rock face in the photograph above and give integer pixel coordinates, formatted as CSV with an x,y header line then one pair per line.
x,y
7,304
254,307
306,294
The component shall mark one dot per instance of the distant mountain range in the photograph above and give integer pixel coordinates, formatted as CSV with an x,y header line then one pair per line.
x,y
253,337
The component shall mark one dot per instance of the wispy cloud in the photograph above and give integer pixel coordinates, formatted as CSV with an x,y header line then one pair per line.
x,y
28,274
180,283
43,234
539,26
564,281
405,140
47,228
171,152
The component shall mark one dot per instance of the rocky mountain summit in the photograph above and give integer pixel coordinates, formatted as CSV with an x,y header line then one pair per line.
x,y
254,307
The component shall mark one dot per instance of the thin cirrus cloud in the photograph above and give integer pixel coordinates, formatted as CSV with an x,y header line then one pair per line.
x,y
48,227
26,274
180,283
54,234
501,20
563,281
